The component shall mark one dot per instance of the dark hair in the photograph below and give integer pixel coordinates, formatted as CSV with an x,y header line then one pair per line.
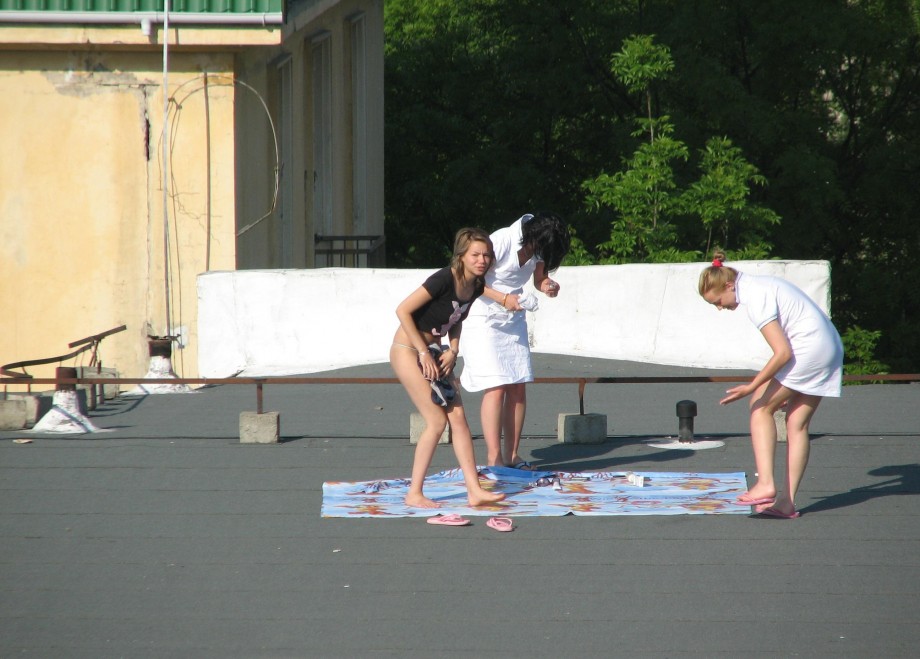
x,y
716,276
549,235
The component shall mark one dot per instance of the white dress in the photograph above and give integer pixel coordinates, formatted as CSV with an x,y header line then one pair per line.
x,y
494,341
816,367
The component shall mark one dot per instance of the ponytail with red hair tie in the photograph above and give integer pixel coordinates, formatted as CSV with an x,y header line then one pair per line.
x,y
717,263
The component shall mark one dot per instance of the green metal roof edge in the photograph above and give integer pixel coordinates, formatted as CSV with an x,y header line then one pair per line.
x,y
127,12
234,20
212,7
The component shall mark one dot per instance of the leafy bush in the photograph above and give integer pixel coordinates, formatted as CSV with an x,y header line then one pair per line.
x,y
859,352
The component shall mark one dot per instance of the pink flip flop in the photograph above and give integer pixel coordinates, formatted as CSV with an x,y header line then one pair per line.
x,y
502,524
448,520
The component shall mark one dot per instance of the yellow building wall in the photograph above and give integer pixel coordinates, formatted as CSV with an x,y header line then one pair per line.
x,y
102,227
82,222
260,246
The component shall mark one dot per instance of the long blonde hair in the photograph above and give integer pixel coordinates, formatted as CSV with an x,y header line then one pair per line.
x,y
716,276
462,241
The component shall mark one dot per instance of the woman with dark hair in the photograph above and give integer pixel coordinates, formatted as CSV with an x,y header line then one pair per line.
x,y
496,350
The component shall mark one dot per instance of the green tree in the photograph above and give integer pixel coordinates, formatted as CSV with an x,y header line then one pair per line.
x,y
859,349
645,196
825,102
721,200
491,111
497,107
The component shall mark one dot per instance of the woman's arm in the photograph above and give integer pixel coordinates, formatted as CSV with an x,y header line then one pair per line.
x,y
782,353
542,281
507,300
416,300
449,356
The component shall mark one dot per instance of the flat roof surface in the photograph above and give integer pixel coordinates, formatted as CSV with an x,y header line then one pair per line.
x,y
166,537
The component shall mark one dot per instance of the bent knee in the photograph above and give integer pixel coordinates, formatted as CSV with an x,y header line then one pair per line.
x,y
436,424
764,408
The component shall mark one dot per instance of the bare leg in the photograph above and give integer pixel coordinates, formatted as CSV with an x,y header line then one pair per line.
x,y
424,452
463,448
801,409
765,401
491,415
405,365
513,421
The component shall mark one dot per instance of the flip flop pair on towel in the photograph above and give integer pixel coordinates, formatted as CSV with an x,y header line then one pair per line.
x,y
502,524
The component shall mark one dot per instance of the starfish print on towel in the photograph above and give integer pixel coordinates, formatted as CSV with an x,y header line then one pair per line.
x,y
454,318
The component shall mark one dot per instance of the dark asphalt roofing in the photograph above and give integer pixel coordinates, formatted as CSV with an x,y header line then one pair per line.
x,y
167,537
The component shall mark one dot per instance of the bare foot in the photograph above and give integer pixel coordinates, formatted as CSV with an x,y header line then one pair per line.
x,y
757,492
518,463
781,505
420,501
484,497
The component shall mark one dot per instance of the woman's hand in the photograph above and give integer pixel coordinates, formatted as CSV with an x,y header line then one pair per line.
x,y
429,365
448,361
511,302
549,287
782,353
736,393
542,281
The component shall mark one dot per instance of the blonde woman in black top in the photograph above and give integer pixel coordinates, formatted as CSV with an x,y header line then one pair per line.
x,y
431,313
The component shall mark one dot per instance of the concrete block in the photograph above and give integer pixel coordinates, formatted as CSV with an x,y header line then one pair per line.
x,y
779,417
417,426
258,428
103,391
13,414
582,428
88,392
36,405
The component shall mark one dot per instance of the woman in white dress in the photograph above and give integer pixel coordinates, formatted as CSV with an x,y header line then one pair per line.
x,y
807,364
496,350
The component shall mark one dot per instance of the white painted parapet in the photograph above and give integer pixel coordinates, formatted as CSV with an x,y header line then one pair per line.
x,y
653,313
284,322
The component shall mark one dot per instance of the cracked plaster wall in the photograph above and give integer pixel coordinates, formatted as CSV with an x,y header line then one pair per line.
x,y
81,201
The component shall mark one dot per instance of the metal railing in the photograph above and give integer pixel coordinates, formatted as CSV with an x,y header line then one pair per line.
x,y
349,251
89,343
582,382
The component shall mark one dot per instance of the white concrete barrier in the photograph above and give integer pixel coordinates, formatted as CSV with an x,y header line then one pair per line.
x,y
284,322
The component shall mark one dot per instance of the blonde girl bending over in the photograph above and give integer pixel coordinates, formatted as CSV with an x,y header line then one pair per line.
x,y
432,313
807,364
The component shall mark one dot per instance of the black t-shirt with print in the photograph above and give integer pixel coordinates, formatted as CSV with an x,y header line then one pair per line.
x,y
445,309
